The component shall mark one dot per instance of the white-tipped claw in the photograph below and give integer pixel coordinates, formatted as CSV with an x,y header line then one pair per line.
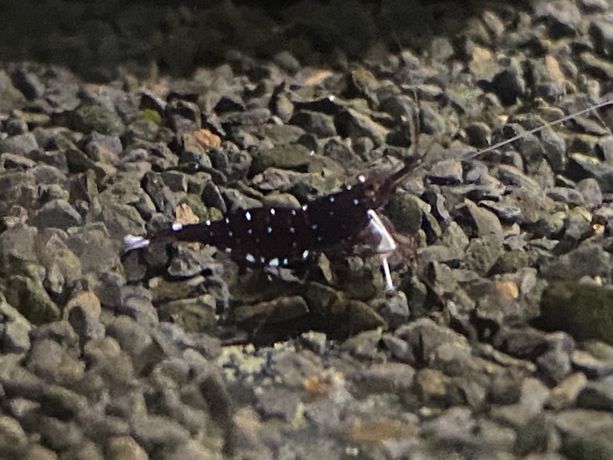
x,y
135,242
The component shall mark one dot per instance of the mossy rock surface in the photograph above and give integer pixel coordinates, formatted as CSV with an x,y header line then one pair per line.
x,y
584,311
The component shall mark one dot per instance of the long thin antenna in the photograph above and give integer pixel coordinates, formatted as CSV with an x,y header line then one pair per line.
x,y
536,130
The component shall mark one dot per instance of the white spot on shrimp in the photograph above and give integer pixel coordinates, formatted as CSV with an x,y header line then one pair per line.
x,y
331,199
249,231
285,262
176,227
230,234
314,226
294,244
361,178
250,258
293,212
305,254
356,201
305,207
292,230
349,187
262,260
248,216
208,222
227,220
272,211
268,230
228,250
273,262
319,238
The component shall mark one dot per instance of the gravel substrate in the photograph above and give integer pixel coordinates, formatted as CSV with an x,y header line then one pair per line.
x,y
498,342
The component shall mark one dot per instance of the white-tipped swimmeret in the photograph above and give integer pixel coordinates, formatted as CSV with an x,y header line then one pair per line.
x,y
135,242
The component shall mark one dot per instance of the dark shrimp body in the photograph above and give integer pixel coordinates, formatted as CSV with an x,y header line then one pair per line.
x,y
277,236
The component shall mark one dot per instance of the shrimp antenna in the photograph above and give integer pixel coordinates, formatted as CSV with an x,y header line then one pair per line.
x,y
599,105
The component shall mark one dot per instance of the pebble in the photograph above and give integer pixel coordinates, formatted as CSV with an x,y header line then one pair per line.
x,y
597,395
125,447
564,394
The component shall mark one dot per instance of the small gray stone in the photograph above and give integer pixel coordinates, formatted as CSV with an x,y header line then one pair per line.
x,y
85,324
590,190
90,117
56,214
188,262
280,403
393,309
314,341
585,431
506,209
398,348
563,18
51,362
61,402
15,161
513,176
383,378
320,124
406,210
605,148
425,337
278,310
86,450
96,251
482,253
339,151
597,65
582,166
533,396
12,436
586,260
479,134
593,366
446,172
597,395
353,124
165,200
10,97
554,149
38,452
136,302
364,345
58,434
564,395
566,195
125,447
15,338
31,298
191,450
192,314
132,337
555,363
155,431
486,222
237,200
509,84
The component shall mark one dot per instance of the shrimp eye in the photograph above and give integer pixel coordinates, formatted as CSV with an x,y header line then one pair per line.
x,y
370,188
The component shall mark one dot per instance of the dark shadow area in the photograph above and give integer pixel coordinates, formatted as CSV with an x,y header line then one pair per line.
x,y
97,39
